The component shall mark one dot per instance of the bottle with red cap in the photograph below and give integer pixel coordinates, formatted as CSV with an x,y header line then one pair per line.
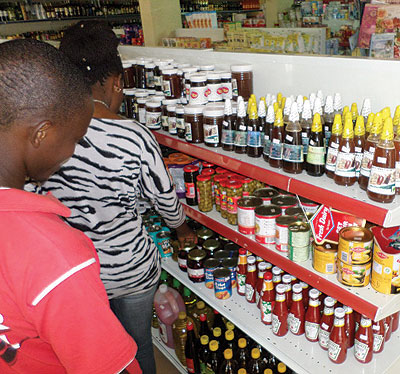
x,y
364,341
191,349
297,313
349,325
204,329
378,329
251,279
326,324
280,312
337,342
262,268
241,272
267,299
313,316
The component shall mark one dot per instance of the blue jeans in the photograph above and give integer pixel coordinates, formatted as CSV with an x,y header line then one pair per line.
x,y
135,314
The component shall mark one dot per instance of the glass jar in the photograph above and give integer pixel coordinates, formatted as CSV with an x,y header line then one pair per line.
x,y
226,85
187,72
149,75
172,119
153,114
217,191
164,115
223,183
160,65
206,67
190,177
129,102
141,104
139,94
204,193
193,115
195,265
140,74
129,81
171,84
242,81
183,255
234,192
198,89
214,88
203,235
212,126
180,121
211,246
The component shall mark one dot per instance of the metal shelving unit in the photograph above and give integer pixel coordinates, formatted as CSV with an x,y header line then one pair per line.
x,y
225,11
295,351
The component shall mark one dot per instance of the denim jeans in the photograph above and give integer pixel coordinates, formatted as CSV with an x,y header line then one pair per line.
x,y
135,314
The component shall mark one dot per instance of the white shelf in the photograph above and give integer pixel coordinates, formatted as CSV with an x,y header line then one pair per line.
x,y
167,352
295,351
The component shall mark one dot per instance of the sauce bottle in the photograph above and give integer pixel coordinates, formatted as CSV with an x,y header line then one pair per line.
x,y
357,319
329,117
276,145
203,353
204,329
306,298
213,359
315,164
366,109
293,147
368,125
326,323
228,132
397,148
230,341
280,312
242,354
267,299
359,143
306,123
312,316
333,146
396,119
337,350
378,329
345,172
345,111
254,148
240,129
369,151
251,279
349,325
287,281
229,365
381,183
191,351
388,327
364,340
255,364
297,312
241,272
276,276
286,111
354,113
262,268
269,123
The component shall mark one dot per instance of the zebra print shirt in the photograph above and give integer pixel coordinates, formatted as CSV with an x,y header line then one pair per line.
x,y
117,162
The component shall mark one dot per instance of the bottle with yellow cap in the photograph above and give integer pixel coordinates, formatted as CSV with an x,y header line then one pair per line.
x,y
306,123
293,148
354,113
276,145
316,149
382,181
268,371
203,353
333,146
368,125
345,111
213,363
254,147
396,119
359,143
279,99
282,368
269,124
255,364
242,371
345,172
229,365
230,341
179,333
243,353
369,151
397,147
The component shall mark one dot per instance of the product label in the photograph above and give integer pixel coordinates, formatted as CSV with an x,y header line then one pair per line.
x,y
311,330
378,340
266,311
397,174
166,85
235,91
276,324
282,238
246,221
240,138
265,230
241,280
360,350
164,122
249,292
323,337
211,134
228,137
226,90
172,125
231,204
292,153
153,120
214,92
331,158
182,263
150,82
345,165
294,324
366,163
316,155
180,123
305,141
267,144
188,131
334,350
198,95
190,190
142,115
253,138
195,273
276,150
382,181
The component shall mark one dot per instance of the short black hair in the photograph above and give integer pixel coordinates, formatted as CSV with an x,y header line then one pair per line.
x,y
37,79
93,47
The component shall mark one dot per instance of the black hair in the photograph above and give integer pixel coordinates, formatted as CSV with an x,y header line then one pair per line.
x,y
93,47
35,80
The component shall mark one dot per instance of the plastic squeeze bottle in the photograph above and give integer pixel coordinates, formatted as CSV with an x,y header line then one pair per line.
x,y
267,299
297,312
325,326
333,146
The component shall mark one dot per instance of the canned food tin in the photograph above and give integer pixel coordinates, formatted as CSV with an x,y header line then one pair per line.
x,y
266,216
246,214
295,211
266,194
299,234
355,245
230,264
324,258
163,243
353,275
309,206
282,232
210,266
299,254
284,202
222,284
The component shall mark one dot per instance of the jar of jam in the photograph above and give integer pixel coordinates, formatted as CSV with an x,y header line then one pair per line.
x,y
129,102
211,246
187,72
204,193
214,90
141,103
129,81
190,173
183,255
203,235
195,265
180,121
164,115
171,84
194,123
234,192
242,81
140,74
149,74
160,65
226,85
153,114
206,67
172,119
212,126
139,94
198,89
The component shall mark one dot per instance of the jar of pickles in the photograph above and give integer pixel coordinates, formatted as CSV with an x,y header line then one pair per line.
x,y
204,193
248,186
224,182
217,191
234,192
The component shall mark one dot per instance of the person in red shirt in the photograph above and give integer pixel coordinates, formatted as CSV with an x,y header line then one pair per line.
x,y
54,312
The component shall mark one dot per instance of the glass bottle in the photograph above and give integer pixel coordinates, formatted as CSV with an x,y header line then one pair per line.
x,y
255,364
329,116
228,132
293,147
286,111
345,111
269,123
240,129
337,350
349,325
280,312
345,172
333,146
378,329
364,340
287,281
381,183
306,297
179,333
262,268
359,143
276,276
396,119
388,327
326,323
243,353
251,279
312,316
204,329
217,335
189,299
354,113
203,353
213,362
218,321
241,272
276,145
262,121
397,148
315,164
368,124
229,365
191,351
306,123
254,148
230,341
267,299
297,312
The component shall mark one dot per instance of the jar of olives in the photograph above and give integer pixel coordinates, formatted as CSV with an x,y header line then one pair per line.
x,y
234,192
204,193
224,182
248,186
217,191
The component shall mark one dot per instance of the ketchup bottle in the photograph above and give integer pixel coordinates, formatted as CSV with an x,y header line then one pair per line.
x,y
357,319
276,275
251,279
287,281
297,312
388,327
315,163
325,326
337,350
312,316
280,312
333,146
276,145
305,288
395,321
262,268
378,329
364,341
242,271
267,300
349,325
359,143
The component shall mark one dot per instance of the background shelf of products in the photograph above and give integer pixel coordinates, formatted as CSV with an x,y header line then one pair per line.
x,y
300,355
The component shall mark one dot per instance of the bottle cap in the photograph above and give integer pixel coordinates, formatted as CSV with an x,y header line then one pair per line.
x,y
182,315
313,96
288,105
268,371
313,293
228,354
387,131
163,288
242,371
304,285
261,108
337,127
281,367
268,276
328,109
276,270
281,288
242,251
294,113
213,345
316,125
385,113
203,317
339,313
204,339
273,99
370,121
396,117
337,102
317,108
255,353
377,125
242,343
287,278
297,288
306,114
230,325
320,96
366,108
300,103
217,332
241,112
276,107
347,309
189,326
200,305
251,260
278,118
229,335
359,129
348,132
329,301
253,111
262,266
241,68
354,111
271,114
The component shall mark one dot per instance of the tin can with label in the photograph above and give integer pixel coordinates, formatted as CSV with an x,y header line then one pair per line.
x,y
222,284
309,206
325,257
163,243
284,202
353,275
266,216
153,230
210,266
355,245
230,264
299,241
266,194
282,232
295,211
246,214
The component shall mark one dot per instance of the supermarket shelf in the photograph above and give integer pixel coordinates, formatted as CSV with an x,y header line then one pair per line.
x,y
295,351
366,300
323,190
226,11
167,352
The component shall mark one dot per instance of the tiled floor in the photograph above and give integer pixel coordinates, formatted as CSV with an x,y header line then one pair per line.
x,y
164,366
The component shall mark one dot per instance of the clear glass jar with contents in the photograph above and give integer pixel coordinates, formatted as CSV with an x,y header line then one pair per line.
x,y
140,74
242,81
194,123
214,88
129,80
204,193
160,65
198,89
180,121
171,84
212,125
164,115
195,265
226,85
171,109
129,102
141,104
234,192
139,94
190,177
149,75
187,72
153,114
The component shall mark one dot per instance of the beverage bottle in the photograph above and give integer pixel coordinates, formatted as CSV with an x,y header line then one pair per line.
x,y
345,111
213,359
294,280
203,353
388,327
204,329
293,147
359,143
218,321
333,146
276,145
337,103
366,109
395,321
262,120
305,288
354,113
251,279
378,329
337,340
241,272
255,364
267,299
230,326
177,286
345,172
269,123
349,325
168,303
254,148
368,124
179,333
320,96
306,123
286,111
297,313
364,341
228,124
189,299
381,183
273,363
230,341
229,365
191,351
240,129
369,151
317,108
396,119
164,278
262,268
242,354
217,335
282,368
287,281
329,116
315,164
313,96
276,276
280,312
326,323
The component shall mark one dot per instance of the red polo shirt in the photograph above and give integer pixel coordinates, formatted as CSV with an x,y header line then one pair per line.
x,y
54,312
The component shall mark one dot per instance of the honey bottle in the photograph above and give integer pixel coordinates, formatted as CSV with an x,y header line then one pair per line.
x,y
228,133
276,145
300,103
269,123
368,124
316,149
279,98
306,123
359,142
333,146
337,104
396,119
366,109
254,148
240,129
329,117
262,118
397,147
381,184
313,96
354,113
286,111
293,147
345,111
345,172
385,113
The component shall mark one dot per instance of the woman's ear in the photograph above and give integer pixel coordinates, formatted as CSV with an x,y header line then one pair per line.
x,y
118,83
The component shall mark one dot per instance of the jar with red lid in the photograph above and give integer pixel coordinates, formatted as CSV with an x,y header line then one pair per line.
x,y
224,186
171,84
204,193
242,81
212,125
207,164
220,170
180,121
195,265
129,80
194,123
198,89
190,177
214,88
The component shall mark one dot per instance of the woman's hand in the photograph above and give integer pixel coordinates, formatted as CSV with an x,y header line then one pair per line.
x,y
185,235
